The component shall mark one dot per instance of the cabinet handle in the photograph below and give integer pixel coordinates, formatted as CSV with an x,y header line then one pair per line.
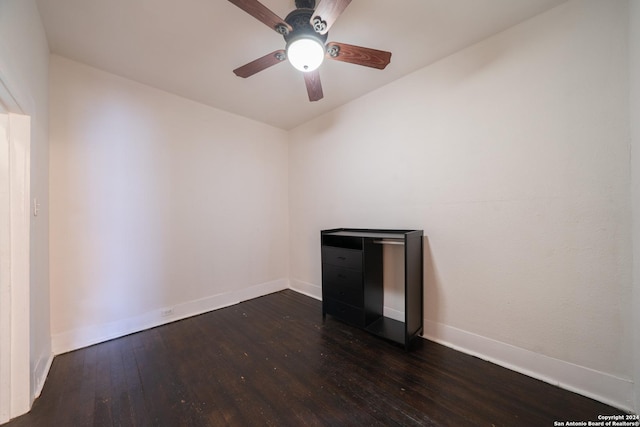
x,y
342,258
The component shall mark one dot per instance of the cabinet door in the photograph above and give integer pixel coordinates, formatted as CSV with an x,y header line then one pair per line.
x,y
343,284
344,312
342,257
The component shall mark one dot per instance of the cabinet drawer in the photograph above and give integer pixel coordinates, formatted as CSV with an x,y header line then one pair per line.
x,y
343,284
342,257
344,312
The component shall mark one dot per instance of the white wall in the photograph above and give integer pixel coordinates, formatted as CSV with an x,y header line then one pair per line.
x,y
513,157
634,73
161,207
24,57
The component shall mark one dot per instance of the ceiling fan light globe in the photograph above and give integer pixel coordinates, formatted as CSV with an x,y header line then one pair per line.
x,y
305,54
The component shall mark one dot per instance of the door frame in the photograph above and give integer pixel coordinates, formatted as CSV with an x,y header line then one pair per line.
x,y
15,169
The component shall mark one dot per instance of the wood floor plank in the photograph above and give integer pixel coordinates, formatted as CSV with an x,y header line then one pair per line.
x,y
131,409
103,399
274,361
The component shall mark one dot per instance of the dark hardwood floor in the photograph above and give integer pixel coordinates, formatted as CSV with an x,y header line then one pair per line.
x,y
272,361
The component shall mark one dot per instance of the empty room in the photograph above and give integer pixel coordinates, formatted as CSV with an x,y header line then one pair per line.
x,y
329,212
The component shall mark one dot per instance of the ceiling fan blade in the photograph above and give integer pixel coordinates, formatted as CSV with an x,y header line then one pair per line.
x,y
326,14
358,55
260,64
314,87
263,14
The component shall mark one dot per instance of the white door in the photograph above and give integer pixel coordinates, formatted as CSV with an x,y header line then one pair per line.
x,y
15,394
5,274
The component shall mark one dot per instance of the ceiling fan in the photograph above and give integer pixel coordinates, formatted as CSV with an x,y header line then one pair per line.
x,y
305,31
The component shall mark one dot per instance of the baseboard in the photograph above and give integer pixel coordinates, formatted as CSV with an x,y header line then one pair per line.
x,y
393,314
40,374
84,337
606,388
306,288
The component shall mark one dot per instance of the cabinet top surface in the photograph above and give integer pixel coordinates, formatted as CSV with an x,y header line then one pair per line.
x,y
379,234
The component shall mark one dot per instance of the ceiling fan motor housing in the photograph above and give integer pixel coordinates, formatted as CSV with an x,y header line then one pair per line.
x,y
299,20
306,4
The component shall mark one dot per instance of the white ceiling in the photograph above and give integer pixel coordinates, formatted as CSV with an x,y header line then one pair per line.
x,y
190,47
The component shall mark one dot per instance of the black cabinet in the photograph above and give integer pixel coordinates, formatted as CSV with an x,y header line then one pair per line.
x,y
352,280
